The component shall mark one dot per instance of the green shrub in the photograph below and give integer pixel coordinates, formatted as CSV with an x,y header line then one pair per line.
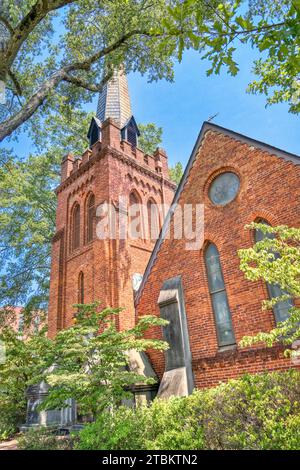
x,y
114,431
173,425
11,415
43,439
253,412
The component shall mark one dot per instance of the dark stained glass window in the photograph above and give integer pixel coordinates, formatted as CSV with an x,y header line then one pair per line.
x,y
21,323
224,188
280,309
172,335
219,299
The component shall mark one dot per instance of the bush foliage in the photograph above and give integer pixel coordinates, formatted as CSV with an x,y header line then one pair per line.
x,y
43,439
255,412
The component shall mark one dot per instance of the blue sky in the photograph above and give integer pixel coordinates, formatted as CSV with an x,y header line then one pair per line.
x,y
181,107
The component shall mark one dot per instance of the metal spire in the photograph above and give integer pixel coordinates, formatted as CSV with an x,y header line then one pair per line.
x,y
114,100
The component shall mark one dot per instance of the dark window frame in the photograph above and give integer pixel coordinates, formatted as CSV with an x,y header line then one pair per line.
x,y
213,292
259,236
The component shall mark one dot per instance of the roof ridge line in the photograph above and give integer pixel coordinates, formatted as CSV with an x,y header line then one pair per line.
x,y
206,126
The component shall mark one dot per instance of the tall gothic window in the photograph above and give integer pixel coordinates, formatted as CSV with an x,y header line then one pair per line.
x,y
219,298
90,213
135,216
280,309
153,220
75,239
81,288
21,323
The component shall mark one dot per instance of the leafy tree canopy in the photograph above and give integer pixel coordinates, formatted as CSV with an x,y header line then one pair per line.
x,y
64,50
271,27
176,172
276,260
25,361
150,138
88,362
92,362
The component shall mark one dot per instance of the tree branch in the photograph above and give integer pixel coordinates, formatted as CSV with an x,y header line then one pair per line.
x,y
63,74
21,32
80,82
7,24
15,82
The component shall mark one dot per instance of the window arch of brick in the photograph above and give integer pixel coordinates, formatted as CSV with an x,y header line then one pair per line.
x,y
75,227
81,288
280,309
89,218
135,219
153,219
218,294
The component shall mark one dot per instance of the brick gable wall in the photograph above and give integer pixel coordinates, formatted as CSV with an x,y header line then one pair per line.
x,y
269,190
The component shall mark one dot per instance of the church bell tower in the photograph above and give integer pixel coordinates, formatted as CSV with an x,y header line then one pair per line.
x,y
86,267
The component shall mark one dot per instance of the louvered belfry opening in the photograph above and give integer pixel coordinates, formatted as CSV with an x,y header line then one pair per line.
x,y
94,137
131,135
114,103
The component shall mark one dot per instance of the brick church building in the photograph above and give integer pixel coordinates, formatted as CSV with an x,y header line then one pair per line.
x,y
84,267
202,292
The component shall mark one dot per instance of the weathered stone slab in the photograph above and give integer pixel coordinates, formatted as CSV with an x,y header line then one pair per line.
x,y
174,383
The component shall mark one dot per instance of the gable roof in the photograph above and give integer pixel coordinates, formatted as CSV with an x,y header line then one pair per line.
x,y
207,126
94,122
131,121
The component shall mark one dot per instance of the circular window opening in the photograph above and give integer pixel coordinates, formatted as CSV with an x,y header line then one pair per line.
x,y
224,188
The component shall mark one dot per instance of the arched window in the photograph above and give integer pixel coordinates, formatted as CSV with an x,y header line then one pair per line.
x,y
153,220
81,288
90,213
135,216
281,309
21,323
218,294
75,235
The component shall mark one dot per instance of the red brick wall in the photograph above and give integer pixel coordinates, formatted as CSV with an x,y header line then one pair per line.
x,y
270,189
112,168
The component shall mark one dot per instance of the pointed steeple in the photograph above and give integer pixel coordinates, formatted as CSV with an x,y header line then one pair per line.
x,y
114,100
